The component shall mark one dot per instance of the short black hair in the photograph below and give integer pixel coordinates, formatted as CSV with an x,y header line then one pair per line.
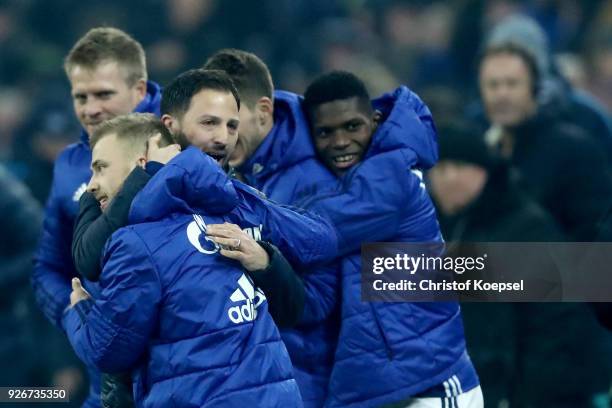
x,y
249,73
333,86
177,96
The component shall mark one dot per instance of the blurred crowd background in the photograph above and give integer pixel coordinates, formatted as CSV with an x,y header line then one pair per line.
x,y
431,46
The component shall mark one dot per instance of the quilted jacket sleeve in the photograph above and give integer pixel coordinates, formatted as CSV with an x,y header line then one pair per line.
x,y
52,261
112,331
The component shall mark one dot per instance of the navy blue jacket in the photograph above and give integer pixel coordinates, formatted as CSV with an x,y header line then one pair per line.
x,y
189,319
285,168
53,266
389,352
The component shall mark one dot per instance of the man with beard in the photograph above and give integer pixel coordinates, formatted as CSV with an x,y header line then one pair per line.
x,y
188,321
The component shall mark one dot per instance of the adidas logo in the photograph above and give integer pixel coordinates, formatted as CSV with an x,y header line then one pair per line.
x,y
250,297
79,192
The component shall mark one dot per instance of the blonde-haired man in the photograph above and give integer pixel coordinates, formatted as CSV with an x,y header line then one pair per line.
x,y
107,73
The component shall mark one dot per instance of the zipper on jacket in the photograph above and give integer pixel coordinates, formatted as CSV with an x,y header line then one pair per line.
x,y
382,333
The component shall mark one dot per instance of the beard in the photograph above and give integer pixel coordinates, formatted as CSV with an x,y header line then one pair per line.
x,y
181,139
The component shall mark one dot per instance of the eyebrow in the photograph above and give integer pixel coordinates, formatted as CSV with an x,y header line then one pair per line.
x,y
98,163
217,118
339,125
95,91
207,116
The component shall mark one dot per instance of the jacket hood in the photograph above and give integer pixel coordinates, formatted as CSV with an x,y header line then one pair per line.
x,y
287,143
191,182
150,104
406,123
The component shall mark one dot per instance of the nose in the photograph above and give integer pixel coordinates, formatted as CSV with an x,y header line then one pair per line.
x,y
340,140
91,108
220,138
502,91
93,185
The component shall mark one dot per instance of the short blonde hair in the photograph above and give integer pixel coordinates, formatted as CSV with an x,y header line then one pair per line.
x,y
105,44
134,130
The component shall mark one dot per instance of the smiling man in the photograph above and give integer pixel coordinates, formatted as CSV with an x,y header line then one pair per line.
x,y
108,77
343,128
408,355
122,148
101,92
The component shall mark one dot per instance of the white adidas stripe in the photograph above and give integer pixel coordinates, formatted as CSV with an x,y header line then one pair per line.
x,y
453,387
446,388
237,296
456,379
246,286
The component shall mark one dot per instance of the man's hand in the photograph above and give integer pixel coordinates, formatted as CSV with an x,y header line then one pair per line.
x,y
237,244
161,154
78,293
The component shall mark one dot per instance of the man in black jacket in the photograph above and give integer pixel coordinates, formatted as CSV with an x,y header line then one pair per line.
x,y
562,169
522,354
555,93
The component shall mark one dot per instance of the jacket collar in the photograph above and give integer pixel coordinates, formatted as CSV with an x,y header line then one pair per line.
x,y
191,182
287,143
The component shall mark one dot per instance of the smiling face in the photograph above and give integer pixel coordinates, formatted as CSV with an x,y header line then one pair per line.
x,y
111,163
210,123
342,131
102,93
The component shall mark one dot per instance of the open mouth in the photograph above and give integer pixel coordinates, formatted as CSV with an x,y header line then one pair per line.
x,y
218,157
103,202
345,161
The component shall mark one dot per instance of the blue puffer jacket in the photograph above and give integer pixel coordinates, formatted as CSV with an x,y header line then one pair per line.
x,y
388,352
285,165
189,318
53,262
286,169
